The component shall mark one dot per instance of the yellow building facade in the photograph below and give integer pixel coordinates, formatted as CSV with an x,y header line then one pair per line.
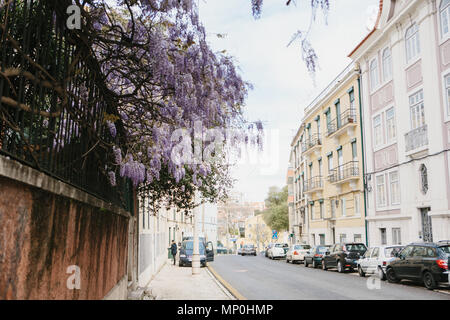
x,y
332,176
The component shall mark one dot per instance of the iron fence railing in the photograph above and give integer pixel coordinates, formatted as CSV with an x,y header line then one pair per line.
x,y
312,141
416,138
52,109
345,171
348,116
314,183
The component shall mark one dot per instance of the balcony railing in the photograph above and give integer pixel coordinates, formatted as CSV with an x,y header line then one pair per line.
x,y
314,183
313,141
348,116
343,172
416,138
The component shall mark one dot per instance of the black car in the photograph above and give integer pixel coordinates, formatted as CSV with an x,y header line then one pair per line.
x,y
186,251
314,255
426,262
343,256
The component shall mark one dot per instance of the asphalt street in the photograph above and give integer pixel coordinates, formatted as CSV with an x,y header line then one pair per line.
x,y
260,278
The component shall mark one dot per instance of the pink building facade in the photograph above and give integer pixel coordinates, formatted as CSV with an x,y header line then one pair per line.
x,y
405,72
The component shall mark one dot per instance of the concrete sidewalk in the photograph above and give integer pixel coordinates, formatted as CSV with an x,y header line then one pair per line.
x,y
178,283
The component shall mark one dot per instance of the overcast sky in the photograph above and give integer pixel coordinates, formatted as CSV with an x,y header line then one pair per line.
x,y
282,85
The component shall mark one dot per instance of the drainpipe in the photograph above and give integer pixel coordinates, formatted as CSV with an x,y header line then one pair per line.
x,y
363,154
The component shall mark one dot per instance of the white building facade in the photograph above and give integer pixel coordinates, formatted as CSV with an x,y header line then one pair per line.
x,y
405,71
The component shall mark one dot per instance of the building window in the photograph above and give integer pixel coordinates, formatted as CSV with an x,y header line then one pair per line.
x,y
351,96
374,78
330,163
381,191
322,239
343,207
417,110
447,89
383,236
313,236
354,151
445,16
412,43
357,204
391,132
357,238
387,64
342,238
394,188
377,131
321,210
333,208
319,131
396,236
312,211
320,167
423,178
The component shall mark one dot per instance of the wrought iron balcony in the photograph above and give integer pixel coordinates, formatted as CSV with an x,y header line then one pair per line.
x,y
346,171
313,183
348,116
416,138
311,142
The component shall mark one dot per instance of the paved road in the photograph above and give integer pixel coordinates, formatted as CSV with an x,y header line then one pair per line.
x,y
259,278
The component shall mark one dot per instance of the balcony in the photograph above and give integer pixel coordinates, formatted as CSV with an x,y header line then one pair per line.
x,y
348,172
347,120
314,185
416,141
314,143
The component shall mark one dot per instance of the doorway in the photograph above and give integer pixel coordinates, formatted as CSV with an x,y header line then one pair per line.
x,y
427,231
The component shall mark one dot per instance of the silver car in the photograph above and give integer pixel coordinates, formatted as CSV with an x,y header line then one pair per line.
x,y
376,259
297,252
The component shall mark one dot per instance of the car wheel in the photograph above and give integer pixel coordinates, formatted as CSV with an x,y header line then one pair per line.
x,y
340,268
306,263
324,266
428,280
391,277
287,260
361,272
381,274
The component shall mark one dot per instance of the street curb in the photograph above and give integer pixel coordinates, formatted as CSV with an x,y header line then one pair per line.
x,y
228,286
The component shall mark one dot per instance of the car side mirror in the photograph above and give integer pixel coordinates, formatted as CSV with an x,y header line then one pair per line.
x,y
308,252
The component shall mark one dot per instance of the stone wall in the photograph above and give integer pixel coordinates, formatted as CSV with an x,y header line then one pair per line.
x,y
43,232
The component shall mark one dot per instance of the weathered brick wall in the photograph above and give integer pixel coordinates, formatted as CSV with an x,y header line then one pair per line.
x,y
42,234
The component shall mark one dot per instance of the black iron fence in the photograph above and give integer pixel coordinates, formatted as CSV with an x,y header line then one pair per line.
x,y
348,116
313,183
345,171
52,109
312,141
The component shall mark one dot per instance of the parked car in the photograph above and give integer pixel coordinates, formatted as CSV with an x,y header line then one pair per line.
x,y
221,249
297,252
315,254
249,250
277,251
269,246
426,261
207,244
376,259
285,247
343,256
186,250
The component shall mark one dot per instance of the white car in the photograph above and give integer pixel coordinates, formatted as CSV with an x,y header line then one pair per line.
x,y
297,252
376,259
277,251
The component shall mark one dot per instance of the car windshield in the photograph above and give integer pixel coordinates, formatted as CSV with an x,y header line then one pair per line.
x,y
322,249
249,246
355,247
303,246
446,249
278,245
189,245
390,252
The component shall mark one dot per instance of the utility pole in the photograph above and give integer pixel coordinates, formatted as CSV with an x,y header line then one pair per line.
x,y
195,251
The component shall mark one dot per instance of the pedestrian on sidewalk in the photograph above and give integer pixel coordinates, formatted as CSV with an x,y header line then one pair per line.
x,y
174,249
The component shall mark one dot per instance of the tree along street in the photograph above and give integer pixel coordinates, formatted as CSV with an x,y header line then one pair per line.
x,y
261,278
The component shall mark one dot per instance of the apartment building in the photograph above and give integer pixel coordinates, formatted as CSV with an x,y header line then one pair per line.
x,y
405,72
328,152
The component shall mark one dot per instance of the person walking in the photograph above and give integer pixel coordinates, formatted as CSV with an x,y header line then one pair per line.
x,y
174,249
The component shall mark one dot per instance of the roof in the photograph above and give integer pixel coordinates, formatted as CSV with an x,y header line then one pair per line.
x,y
377,23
